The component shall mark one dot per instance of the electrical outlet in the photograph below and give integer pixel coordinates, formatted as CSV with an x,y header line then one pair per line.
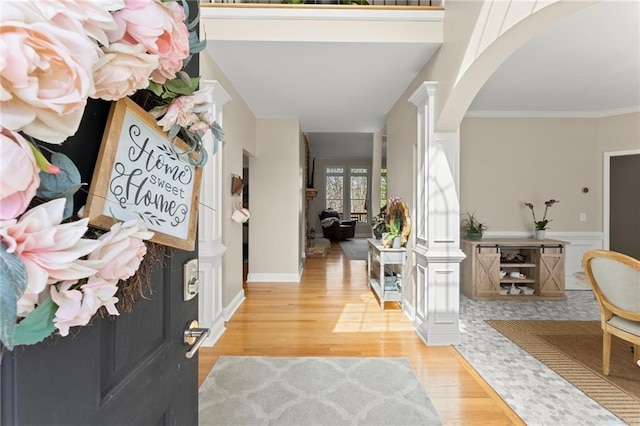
x,y
583,217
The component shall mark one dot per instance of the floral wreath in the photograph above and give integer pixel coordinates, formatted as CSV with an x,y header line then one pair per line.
x,y
55,271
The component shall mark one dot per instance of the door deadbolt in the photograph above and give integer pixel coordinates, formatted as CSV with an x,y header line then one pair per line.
x,y
191,278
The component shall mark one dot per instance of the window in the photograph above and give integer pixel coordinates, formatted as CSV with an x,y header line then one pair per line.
x,y
334,189
349,201
358,193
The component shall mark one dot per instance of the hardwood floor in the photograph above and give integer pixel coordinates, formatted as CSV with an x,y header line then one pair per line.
x,y
332,312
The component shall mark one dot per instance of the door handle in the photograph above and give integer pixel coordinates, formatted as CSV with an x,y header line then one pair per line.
x,y
195,336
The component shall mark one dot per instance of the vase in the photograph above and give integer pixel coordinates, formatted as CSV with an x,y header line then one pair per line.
x,y
540,234
397,243
377,233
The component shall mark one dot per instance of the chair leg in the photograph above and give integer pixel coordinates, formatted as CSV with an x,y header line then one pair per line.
x,y
606,352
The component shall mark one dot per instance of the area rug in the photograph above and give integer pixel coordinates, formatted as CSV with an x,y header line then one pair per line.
x,y
314,391
573,349
355,248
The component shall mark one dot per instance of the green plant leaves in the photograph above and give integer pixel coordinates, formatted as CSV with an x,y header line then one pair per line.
x,y
13,282
37,326
60,185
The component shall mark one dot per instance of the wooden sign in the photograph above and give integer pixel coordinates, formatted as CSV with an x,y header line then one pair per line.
x,y
139,175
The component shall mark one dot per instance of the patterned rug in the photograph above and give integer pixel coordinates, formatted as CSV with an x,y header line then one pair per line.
x,y
314,391
573,349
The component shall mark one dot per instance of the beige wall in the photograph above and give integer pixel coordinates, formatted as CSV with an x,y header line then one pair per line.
x,y
460,18
276,189
401,138
239,126
507,161
619,133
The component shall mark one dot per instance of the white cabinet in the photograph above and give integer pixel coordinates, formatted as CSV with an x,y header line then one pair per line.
x,y
386,269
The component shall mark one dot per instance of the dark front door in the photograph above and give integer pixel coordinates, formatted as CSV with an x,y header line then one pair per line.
x,y
126,370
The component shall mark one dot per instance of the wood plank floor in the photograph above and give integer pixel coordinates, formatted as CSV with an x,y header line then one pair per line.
x,y
332,312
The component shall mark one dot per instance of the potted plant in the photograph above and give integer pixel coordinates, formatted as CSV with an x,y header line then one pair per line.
x,y
472,227
392,237
378,223
541,225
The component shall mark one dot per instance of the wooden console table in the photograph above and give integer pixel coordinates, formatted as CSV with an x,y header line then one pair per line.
x,y
378,257
513,269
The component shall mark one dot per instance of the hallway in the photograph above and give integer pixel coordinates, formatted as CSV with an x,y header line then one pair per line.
x,y
332,312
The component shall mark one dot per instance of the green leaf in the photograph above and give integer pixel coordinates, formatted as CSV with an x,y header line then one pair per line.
x,y
180,87
37,326
13,282
60,185
217,131
155,88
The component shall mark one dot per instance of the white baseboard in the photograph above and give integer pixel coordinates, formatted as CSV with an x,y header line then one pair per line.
x,y
409,310
228,311
440,337
217,329
273,278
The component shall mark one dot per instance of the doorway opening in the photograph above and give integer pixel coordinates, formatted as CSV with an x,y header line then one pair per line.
x,y
245,225
621,199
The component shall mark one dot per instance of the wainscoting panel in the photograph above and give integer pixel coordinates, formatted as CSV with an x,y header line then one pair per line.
x,y
210,298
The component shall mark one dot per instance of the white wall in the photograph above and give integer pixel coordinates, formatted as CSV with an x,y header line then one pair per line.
x,y
276,194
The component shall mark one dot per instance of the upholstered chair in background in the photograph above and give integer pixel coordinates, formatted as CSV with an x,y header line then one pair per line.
x,y
615,279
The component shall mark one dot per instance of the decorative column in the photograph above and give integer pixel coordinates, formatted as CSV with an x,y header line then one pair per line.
x,y
210,247
437,245
376,166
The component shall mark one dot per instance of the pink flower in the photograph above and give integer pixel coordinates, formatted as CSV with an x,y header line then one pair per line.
x,y
183,110
91,18
71,310
121,250
45,72
122,71
174,45
49,250
98,293
19,178
160,28
200,128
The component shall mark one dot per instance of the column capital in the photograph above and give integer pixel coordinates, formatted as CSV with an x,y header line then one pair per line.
x,y
422,94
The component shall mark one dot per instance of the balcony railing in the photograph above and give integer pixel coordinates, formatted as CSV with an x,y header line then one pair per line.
x,y
360,217
415,3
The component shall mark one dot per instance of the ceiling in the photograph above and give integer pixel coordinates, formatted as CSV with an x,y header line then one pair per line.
x,y
585,65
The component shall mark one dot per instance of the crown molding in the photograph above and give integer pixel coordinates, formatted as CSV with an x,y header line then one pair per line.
x,y
553,114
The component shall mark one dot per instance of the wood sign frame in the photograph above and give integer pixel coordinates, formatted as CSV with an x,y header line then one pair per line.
x,y
138,175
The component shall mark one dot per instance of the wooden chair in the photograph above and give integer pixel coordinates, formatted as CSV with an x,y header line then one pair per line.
x,y
615,279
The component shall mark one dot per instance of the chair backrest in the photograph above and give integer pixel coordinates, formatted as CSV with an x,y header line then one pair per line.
x,y
615,279
328,213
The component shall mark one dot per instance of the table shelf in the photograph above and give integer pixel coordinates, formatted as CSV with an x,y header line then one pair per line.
x,y
378,258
